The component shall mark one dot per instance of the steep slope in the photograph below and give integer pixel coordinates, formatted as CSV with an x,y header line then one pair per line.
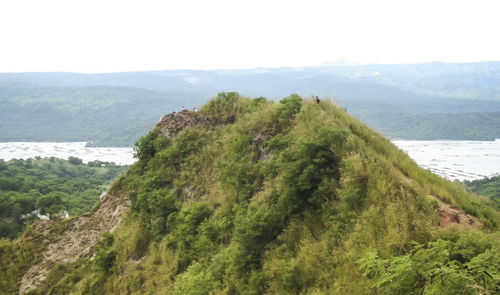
x,y
252,197
74,240
51,243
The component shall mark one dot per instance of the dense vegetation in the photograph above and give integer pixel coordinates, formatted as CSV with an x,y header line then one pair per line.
x,y
102,115
489,187
280,198
422,126
50,185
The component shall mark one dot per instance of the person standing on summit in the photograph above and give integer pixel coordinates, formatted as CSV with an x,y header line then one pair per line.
x,y
317,99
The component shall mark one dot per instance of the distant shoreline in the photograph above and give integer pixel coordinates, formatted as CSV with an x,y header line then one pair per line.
x,y
63,150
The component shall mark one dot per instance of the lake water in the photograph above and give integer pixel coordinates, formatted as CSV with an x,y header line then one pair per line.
x,y
25,150
454,159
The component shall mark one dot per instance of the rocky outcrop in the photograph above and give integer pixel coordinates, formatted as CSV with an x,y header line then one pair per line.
x,y
259,140
171,124
71,239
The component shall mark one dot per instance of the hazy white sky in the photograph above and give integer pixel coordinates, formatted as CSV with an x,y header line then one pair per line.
x,y
123,35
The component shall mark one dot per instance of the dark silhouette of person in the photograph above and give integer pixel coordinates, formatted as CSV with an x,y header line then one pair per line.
x,y
317,99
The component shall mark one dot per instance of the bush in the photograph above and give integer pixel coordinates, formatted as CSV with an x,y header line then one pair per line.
x,y
75,160
289,106
105,259
147,146
197,280
253,229
456,266
312,164
224,108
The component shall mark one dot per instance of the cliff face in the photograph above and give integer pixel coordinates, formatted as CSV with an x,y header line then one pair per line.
x,y
251,197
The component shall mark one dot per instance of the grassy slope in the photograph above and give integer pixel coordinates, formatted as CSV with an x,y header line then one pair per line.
x,y
213,210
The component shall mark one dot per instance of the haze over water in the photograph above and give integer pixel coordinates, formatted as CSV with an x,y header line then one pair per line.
x,y
455,159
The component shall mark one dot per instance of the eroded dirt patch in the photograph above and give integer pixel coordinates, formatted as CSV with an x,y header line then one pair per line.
x,y
451,216
74,239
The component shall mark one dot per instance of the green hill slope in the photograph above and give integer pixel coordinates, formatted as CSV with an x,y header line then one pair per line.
x,y
489,187
255,197
103,115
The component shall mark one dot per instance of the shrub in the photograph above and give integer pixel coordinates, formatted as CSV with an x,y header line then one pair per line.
x,y
289,106
197,280
105,260
75,160
147,146
456,266
223,108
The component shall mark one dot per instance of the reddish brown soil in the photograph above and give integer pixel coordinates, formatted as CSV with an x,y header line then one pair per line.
x,y
451,216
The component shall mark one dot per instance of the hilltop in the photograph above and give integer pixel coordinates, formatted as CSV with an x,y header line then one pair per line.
x,y
249,196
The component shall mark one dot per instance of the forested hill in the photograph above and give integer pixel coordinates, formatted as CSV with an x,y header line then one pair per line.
x,y
115,109
249,196
470,81
51,186
489,186
118,116
102,115
430,126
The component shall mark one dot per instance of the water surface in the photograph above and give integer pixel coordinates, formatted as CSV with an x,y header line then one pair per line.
x,y
63,150
455,159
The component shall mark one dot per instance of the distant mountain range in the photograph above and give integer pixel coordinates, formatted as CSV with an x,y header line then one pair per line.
x,y
465,80
115,108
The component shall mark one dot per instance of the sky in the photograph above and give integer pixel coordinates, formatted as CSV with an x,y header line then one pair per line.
x,y
111,36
